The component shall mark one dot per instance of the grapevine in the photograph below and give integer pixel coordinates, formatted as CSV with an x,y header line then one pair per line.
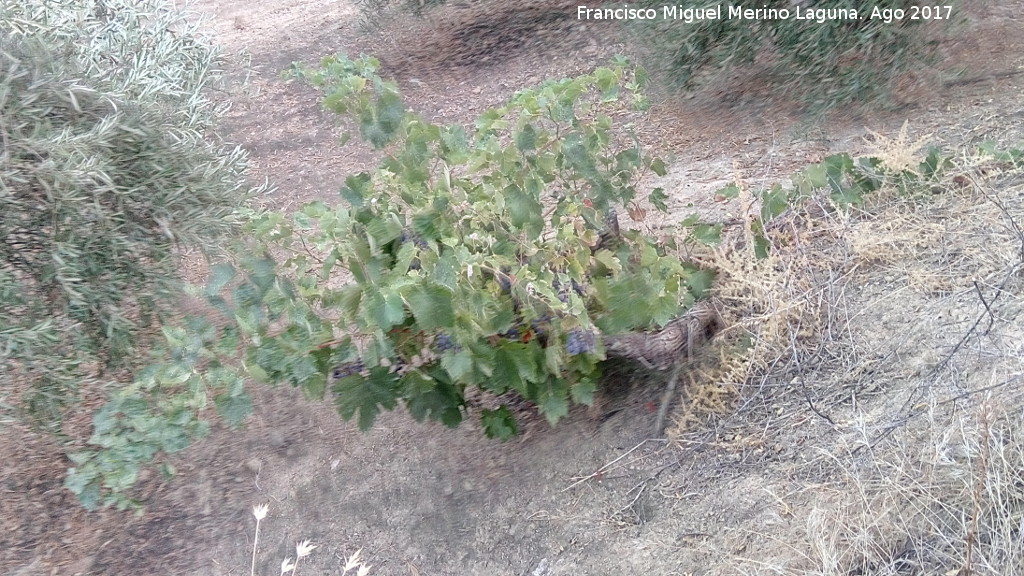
x,y
488,256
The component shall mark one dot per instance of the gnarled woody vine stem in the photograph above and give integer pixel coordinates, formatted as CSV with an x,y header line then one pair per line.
x,y
661,349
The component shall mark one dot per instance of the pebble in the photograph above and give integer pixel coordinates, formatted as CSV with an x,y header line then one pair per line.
x,y
276,439
254,465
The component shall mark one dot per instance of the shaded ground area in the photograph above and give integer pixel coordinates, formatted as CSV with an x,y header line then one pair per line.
x,y
741,491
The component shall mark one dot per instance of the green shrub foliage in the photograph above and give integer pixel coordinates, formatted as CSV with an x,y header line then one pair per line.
x,y
822,56
106,176
816,50
480,258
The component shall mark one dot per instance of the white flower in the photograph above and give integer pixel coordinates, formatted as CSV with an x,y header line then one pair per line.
x,y
260,512
353,561
303,549
287,566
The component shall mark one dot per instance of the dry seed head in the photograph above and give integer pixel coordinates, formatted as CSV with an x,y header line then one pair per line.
x,y
900,153
353,561
303,548
260,511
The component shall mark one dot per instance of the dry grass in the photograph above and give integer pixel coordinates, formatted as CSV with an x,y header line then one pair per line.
x,y
947,498
884,346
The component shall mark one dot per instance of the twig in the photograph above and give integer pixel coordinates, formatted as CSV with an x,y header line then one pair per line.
x,y
979,481
666,399
318,259
994,198
991,317
658,472
967,335
810,404
963,395
600,471
982,78
803,385
642,487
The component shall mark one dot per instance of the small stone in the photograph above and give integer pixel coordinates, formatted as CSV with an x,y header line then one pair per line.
x,y
254,465
81,566
276,439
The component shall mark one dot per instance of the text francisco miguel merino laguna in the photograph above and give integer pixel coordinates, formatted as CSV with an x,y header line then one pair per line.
x,y
730,12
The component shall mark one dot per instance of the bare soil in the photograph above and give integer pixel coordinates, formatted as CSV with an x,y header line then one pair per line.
x,y
423,499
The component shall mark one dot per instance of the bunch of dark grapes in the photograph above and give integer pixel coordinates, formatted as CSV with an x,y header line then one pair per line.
x,y
580,342
443,342
513,333
563,291
410,236
504,281
417,240
348,369
540,325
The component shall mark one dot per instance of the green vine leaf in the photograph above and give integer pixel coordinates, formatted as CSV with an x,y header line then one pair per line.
x,y
366,398
432,395
431,306
499,423
554,402
659,199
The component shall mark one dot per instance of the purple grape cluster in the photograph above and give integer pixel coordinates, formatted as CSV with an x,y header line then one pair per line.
x,y
348,369
444,342
563,290
540,325
580,342
505,282
410,236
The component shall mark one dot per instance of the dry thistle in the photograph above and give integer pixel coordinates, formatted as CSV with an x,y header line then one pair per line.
x,y
302,549
354,562
259,512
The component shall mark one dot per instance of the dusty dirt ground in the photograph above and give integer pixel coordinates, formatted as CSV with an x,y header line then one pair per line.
x,y
727,498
